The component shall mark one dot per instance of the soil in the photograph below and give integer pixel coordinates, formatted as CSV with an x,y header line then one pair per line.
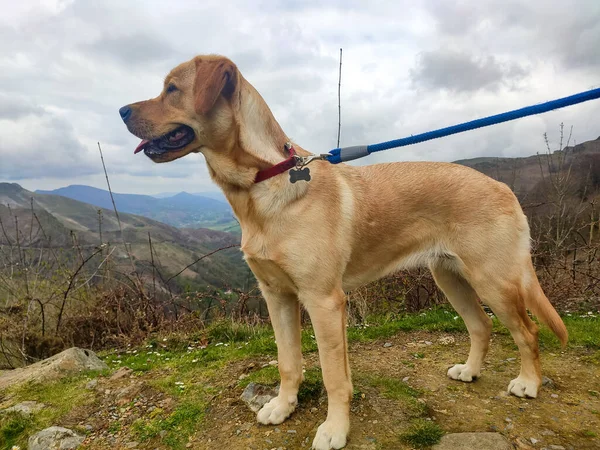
x,y
566,412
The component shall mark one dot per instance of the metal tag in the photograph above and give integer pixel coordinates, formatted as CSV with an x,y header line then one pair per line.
x,y
299,175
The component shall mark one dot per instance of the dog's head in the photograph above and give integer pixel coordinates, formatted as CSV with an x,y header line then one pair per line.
x,y
193,110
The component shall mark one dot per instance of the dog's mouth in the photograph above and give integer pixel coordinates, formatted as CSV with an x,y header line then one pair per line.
x,y
174,140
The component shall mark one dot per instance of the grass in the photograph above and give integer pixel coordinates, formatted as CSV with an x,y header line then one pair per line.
x,y
12,428
583,331
190,370
311,387
422,433
182,422
60,398
438,319
394,389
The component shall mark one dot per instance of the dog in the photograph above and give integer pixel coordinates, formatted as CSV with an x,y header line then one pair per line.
x,y
310,241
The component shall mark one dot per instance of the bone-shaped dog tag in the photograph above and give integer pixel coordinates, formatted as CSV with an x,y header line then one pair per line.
x,y
299,175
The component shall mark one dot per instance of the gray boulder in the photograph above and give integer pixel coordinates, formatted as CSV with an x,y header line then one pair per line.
x,y
55,438
470,441
256,395
70,361
26,408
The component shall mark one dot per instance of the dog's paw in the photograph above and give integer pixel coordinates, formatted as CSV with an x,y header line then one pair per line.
x,y
523,387
277,410
462,372
331,434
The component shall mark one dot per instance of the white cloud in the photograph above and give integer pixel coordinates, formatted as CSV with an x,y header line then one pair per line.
x,y
66,67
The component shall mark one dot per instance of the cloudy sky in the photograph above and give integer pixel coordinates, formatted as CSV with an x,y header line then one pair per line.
x,y
409,66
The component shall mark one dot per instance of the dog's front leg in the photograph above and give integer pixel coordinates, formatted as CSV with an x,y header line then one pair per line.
x,y
284,311
328,317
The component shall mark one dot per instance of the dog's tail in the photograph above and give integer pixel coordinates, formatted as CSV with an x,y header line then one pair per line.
x,y
540,306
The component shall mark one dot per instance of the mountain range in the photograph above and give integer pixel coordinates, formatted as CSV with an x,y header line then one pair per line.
x,y
527,176
180,210
177,223
46,220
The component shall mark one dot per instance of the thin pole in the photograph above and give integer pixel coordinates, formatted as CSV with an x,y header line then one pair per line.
x,y
339,101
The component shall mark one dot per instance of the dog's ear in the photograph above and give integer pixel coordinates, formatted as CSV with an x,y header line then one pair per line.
x,y
213,78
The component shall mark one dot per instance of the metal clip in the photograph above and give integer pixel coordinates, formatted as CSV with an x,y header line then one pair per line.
x,y
302,161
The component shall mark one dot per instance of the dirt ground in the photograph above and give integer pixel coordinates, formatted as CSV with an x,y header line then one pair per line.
x,y
566,413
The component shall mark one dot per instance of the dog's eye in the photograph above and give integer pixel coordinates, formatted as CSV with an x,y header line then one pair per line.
x,y
171,88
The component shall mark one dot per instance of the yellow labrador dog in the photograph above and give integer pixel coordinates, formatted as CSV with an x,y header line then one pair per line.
x,y
308,242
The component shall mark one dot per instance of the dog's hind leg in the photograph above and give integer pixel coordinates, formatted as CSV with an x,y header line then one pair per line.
x,y
284,311
504,287
464,300
328,316
508,304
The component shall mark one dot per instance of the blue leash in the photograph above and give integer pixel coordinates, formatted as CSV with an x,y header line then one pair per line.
x,y
339,155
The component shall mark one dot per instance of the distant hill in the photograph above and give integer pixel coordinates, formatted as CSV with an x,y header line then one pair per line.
x,y
180,210
215,195
525,174
173,248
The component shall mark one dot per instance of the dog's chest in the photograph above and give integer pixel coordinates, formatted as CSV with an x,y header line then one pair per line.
x,y
255,244
260,253
271,275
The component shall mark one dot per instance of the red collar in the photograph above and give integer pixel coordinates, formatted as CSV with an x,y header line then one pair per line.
x,y
283,166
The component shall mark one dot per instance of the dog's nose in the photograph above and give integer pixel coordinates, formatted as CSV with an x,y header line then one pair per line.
x,y
125,113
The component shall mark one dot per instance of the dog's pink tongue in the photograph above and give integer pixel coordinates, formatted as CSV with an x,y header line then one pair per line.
x,y
140,147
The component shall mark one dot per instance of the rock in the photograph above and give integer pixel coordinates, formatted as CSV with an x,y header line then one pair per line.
x,y
554,395
55,438
522,444
534,440
121,373
469,441
387,345
405,379
548,433
26,408
548,382
128,393
132,444
557,447
446,340
256,395
71,360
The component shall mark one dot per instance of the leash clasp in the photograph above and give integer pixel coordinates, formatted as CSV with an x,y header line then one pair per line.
x,y
302,161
